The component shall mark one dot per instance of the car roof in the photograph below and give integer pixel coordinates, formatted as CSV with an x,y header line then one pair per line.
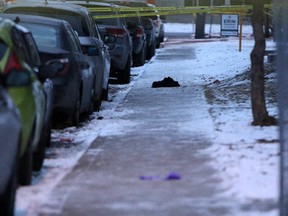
x,y
93,3
53,5
128,3
33,19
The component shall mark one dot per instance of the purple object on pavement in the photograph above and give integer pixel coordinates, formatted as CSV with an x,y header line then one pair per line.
x,y
170,176
173,176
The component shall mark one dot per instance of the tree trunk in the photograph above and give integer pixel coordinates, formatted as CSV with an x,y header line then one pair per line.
x,y
259,111
200,25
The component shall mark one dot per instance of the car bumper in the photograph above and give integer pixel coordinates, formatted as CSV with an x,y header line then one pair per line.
x,y
10,130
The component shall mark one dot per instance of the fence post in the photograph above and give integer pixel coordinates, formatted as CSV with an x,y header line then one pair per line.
x,y
280,10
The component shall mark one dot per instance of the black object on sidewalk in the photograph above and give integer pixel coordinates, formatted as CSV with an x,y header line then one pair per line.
x,y
166,82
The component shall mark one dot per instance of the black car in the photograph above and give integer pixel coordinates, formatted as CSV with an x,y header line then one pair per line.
x,y
116,36
10,133
81,21
73,84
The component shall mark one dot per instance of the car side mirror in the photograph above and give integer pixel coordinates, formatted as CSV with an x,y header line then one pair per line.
x,y
109,39
17,78
51,68
93,51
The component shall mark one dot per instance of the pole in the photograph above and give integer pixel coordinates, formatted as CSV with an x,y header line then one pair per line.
x,y
240,37
280,10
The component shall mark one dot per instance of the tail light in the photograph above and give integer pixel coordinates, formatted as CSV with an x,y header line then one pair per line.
x,y
60,66
117,32
139,32
13,63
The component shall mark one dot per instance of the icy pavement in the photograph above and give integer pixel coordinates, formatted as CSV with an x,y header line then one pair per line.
x,y
243,169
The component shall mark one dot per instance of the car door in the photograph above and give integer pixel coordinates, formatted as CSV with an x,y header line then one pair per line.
x,y
32,58
86,73
105,58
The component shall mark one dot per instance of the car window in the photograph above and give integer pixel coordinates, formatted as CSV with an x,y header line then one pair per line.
x,y
34,58
44,35
3,48
83,24
18,43
105,21
73,39
77,22
96,32
135,19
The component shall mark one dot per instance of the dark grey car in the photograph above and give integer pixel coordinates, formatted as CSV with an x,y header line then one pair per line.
x,y
119,41
74,82
81,21
10,133
145,22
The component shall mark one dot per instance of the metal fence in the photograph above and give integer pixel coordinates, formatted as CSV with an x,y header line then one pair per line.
x,y
280,12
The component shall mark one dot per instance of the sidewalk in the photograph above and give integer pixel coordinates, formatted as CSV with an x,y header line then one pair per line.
x,y
164,131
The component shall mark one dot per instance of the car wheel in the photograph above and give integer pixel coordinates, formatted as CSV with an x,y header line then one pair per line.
x,y
158,44
105,93
151,51
97,104
139,59
91,107
39,153
124,75
75,118
25,165
48,137
7,200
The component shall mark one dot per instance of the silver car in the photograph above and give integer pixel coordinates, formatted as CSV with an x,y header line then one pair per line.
x,y
10,133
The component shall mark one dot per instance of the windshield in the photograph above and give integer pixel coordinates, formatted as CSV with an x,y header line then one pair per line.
x,y
44,35
106,21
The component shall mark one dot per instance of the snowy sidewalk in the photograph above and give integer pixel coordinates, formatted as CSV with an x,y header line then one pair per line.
x,y
154,132
239,161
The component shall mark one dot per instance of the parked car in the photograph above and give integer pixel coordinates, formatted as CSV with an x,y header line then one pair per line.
x,y
29,99
10,133
43,123
81,21
74,83
150,35
159,27
116,36
145,22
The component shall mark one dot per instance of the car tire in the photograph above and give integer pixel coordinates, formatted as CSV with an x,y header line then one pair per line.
x,y
75,117
158,44
124,75
25,166
151,51
48,137
39,153
7,199
105,93
139,59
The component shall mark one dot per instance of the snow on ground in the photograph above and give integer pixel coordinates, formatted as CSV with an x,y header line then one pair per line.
x,y
246,157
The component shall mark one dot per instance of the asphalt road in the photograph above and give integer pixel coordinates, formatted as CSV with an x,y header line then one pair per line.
x,y
154,165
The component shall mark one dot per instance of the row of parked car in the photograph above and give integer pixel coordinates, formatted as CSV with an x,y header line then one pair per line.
x,y
56,59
